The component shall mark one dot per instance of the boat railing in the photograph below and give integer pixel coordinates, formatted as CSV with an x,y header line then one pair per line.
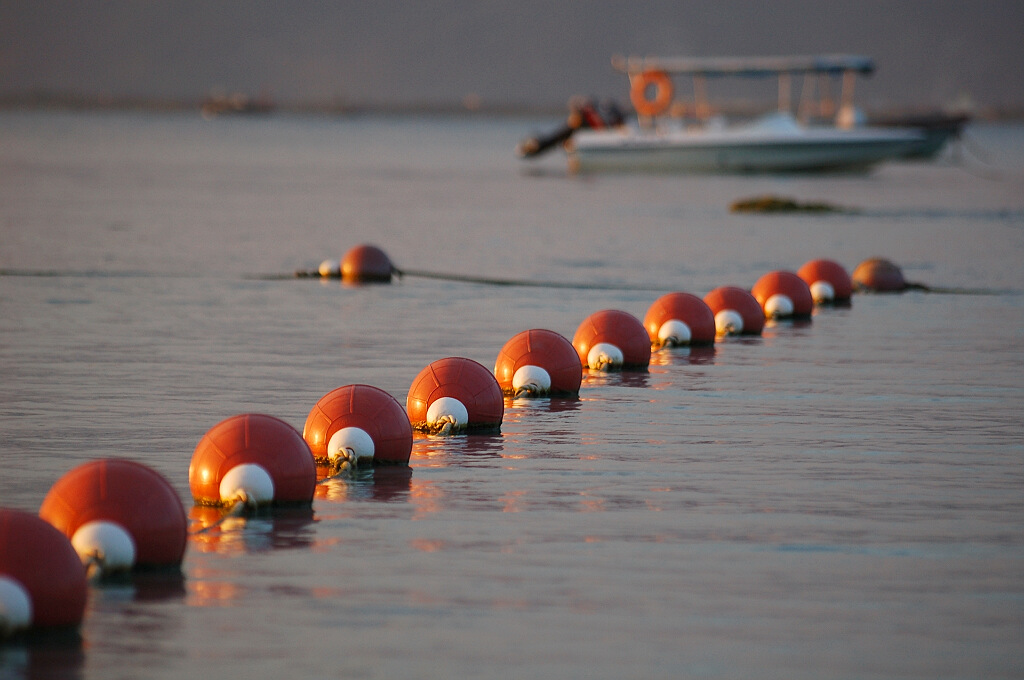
x,y
652,83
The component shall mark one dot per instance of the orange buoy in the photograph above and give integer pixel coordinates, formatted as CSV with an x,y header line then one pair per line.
x,y
252,458
366,264
783,295
680,319
612,339
736,311
42,581
452,395
119,514
878,275
359,424
538,362
661,98
828,280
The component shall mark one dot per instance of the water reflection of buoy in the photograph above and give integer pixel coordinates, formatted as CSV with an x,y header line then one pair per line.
x,y
42,580
878,275
454,394
828,280
736,311
678,319
538,362
366,264
359,424
783,295
119,515
221,530
612,339
253,458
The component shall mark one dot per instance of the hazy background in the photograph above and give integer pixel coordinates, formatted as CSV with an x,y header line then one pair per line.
x,y
530,54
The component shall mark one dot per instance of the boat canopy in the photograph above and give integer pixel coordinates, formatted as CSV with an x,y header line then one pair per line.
x,y
832,64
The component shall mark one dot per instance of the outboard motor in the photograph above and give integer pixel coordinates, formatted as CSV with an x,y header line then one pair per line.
x,y
583,114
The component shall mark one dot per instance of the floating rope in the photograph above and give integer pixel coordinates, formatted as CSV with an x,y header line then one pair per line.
x,y
94,562
237,509
484,280
96,569
444,425
343,466
528,390
463,278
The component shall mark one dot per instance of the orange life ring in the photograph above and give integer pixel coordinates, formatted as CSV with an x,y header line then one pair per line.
x,y
656,105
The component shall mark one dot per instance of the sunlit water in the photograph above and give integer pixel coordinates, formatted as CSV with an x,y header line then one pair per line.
x,y
837,499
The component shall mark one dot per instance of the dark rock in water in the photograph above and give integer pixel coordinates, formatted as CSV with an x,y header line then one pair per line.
x,y
773,204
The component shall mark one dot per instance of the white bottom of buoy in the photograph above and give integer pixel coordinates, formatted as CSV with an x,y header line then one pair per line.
x,y
822,291
674,332
728,322
15,606
351,443
531,380
249,483
330,268
604,356
448,409
778,306
107,544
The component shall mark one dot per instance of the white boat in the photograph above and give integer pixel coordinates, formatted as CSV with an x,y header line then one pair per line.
x,y
774,143
676,136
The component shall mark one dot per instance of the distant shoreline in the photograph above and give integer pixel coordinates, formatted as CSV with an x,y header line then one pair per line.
x,y
72,102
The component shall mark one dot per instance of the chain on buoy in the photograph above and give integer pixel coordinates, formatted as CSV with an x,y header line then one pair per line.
x,y
612,339
828,280
783,295
453,395
736,311
358,425
119,515
878,275
252,459
366,264
679,319
42,580
538,362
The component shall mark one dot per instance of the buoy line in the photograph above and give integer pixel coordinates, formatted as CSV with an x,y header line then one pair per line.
x,y
524,283
483,280
111,516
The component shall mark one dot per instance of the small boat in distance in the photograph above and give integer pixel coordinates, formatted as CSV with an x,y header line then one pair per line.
x,y
675,136
237,103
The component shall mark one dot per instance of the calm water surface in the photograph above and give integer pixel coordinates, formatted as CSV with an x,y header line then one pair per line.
x,y
837,499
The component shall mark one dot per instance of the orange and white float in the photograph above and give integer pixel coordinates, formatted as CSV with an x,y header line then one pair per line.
x,y
254,459
453,395
538,362
119,515
612,339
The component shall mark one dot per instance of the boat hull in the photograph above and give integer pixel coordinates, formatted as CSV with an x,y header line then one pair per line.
x,y
826,150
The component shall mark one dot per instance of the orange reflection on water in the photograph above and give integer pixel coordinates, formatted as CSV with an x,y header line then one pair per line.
x,y
425,497
334,489
512,501
427,545
203,593
204,534
219,530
